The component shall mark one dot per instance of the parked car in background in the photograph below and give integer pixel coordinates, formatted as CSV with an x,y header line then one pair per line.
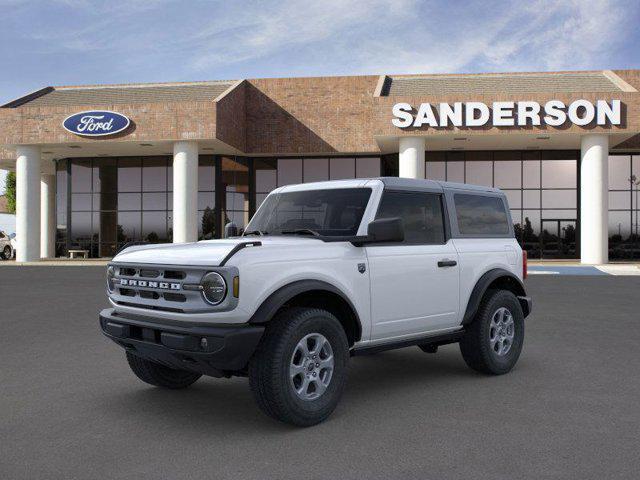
x,y
7,248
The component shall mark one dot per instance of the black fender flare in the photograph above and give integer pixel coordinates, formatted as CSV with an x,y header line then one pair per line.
x,y
515,285
269,307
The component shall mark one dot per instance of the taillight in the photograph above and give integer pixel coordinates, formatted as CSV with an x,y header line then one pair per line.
x,y
524,264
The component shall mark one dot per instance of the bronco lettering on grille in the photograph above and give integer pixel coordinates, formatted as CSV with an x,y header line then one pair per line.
x,y
145,283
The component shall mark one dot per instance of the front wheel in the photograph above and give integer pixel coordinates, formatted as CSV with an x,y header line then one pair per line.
x,y
493,341
299,370
6,253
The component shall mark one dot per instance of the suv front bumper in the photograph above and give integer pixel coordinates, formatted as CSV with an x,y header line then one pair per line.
x,y
217,351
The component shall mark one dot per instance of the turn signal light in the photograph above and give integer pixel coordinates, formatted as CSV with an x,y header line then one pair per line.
x,y
524,264
236,287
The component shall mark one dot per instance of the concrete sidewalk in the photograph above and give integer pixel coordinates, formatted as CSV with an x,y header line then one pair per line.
x,y
58,262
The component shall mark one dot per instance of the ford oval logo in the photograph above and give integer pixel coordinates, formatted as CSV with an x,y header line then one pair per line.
x,y
96,123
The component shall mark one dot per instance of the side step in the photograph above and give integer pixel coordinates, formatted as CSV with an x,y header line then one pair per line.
x,y
431,340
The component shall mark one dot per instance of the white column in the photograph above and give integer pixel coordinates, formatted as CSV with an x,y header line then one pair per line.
x,y
28,203
594,199
47,215
185,192
411,157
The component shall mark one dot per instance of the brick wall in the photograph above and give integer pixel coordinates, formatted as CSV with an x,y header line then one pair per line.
x,y
320,115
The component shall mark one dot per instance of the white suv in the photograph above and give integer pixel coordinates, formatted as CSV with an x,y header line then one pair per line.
x,y
6,246
323,272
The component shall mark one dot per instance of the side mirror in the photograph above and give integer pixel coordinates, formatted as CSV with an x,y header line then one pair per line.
x,y
386,230
230,230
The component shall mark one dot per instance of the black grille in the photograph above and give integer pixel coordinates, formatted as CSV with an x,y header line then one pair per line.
x,y
174,274
149,294
174,297
149,273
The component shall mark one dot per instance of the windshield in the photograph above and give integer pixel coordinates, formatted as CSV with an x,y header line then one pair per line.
x,y
329,212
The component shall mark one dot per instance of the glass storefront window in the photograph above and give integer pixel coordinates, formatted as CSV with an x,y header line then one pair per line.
x,y
507,174
559,173
81,175
235,192
129,174
624,200
455,172
531,174
154,178
541,188
289,171
479,173
266,175
118,200
514,198
436,170
61,208
316,170
367,167
342,168
531,198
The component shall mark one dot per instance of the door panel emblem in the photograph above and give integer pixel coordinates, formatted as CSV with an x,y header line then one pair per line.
x,y
362,267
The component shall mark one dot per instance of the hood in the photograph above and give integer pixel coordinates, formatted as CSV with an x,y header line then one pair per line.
x,y
205,253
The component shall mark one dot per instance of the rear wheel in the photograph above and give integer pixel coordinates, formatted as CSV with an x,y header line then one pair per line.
x,y
159,375
299,370
493,341
6,253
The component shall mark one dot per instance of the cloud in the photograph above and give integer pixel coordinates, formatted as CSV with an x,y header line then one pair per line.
x,y
279,26
410,36
80,41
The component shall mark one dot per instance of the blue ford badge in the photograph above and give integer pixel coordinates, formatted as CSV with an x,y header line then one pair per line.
x,y
96,123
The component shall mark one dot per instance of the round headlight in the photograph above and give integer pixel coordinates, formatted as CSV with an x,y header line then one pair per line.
x,y
111,273
214,288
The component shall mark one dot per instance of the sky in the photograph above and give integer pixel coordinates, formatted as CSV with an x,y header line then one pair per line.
x,y
74,42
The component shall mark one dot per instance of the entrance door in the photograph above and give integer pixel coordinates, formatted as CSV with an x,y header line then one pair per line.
x,y
558,238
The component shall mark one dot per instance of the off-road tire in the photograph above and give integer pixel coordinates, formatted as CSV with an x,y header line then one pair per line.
x,y
6,253
269,376
159,375
475,345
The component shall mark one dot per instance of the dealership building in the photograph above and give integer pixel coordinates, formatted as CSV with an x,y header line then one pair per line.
x,y
101,166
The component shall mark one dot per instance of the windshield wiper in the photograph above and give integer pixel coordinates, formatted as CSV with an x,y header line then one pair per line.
x,y
300,231
260,233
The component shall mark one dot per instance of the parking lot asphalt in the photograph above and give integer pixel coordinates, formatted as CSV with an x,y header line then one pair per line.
x,y
71,409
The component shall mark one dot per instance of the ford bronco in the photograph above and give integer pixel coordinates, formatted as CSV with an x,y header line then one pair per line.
x,y
324,272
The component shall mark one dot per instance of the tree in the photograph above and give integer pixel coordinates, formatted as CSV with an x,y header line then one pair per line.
x,y
527,232
153,237
10,192
208,223
517,229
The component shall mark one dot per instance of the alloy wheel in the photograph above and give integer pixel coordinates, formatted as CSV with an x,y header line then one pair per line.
x,y
311,366
501,331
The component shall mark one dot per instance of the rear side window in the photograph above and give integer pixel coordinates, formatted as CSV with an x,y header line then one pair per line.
x,y
421,214
481,215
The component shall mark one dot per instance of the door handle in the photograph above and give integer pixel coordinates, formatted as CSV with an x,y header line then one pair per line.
x,y
447,263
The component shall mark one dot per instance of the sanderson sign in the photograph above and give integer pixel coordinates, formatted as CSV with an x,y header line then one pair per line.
x,y
96,123
507,114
